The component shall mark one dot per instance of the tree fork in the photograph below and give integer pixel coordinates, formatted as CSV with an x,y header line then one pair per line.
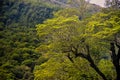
x,y
88,58
92,64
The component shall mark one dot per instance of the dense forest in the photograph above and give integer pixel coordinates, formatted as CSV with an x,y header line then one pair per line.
x,y
59,40
18,39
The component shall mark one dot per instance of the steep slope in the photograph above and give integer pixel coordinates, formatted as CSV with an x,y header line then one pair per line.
x,y
24,13
31,12
18,39
67,4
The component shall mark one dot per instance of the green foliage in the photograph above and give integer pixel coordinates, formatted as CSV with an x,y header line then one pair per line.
x,y
65,32
17,48
29,63
105,25
21,49
107,68
59,31
23,72
59,67
4,75
24,13
18,38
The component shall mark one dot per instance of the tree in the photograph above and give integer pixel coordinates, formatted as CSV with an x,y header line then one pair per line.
x,y
75,38
113,4
59,67
81,6
110,32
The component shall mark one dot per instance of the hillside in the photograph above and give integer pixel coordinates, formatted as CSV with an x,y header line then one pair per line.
x,y
29,13
24,13
19,41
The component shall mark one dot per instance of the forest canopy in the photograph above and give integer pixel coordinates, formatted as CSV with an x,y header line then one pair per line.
x,y
59,40
89,38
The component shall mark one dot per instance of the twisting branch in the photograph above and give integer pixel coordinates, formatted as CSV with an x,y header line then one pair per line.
x,y
92,64
86,56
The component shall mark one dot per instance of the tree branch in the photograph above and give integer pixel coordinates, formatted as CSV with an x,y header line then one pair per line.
x,y
87,57
70,58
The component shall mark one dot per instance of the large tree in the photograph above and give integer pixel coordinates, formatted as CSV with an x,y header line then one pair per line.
x,y
65,33
81,6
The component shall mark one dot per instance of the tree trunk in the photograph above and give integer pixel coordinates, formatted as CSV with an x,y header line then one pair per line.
x,y
92,64
118,65
118,73
88,58
115,59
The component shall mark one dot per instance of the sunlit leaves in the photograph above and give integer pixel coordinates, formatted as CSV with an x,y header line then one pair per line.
x,y
67,34
60,31
107,67
59,67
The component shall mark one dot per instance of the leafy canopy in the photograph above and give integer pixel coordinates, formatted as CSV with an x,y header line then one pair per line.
x,y
65,33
